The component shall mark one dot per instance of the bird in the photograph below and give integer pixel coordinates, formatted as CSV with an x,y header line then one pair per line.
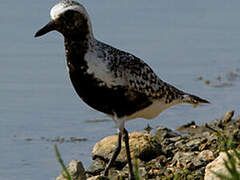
x,y
109,80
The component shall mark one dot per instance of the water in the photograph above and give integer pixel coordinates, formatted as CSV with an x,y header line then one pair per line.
x,y
181,40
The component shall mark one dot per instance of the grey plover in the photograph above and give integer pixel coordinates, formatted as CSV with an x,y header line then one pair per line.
x,y
109,80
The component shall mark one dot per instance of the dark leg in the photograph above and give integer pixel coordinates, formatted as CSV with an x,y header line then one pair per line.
x,y
126,140
115,154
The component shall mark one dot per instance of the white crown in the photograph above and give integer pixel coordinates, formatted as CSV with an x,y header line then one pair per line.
x,y
64,6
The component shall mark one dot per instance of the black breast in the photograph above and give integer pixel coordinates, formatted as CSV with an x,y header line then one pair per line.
x,y
117,100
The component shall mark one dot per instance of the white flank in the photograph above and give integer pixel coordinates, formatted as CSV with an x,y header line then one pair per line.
x,y
152,111
99,68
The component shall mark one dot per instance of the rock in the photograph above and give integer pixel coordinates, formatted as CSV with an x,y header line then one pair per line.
x,y
142,171
167,147
227,117
203,158
96,167
217,166
181,143
167,139
76,171
206,155
103,150
190,124
99,177
188,128
223,122
168,155
192,129
142,146
194,144
184,160
238,118
163,133
160,162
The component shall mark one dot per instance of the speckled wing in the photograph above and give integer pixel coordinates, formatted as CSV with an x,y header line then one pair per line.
x,y
139,76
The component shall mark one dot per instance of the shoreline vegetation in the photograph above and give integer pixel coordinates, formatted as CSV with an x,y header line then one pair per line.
x,y
191,152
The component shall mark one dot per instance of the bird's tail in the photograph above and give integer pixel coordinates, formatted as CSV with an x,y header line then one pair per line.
x,y
194,100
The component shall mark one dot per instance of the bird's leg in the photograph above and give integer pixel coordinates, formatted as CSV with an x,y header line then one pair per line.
x,y
115,154
126,140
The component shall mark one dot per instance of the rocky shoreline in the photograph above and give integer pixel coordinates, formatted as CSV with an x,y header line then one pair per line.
x,y
189,152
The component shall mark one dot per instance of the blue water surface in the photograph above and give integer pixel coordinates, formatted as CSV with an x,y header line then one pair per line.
x,y
180,40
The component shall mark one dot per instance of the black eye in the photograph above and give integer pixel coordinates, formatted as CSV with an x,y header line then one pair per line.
x,y
69,14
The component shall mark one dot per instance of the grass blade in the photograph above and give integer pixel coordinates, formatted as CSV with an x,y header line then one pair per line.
x,y
65,171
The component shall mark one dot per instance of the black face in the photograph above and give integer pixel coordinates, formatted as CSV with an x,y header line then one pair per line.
x,y
70,23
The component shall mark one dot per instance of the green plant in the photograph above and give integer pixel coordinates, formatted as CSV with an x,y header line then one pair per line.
x,y
136,170
66,174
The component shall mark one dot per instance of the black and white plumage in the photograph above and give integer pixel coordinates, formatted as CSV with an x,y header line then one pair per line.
x,y
109,80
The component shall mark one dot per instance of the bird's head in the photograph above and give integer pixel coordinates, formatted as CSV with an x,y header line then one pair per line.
x,y
69,18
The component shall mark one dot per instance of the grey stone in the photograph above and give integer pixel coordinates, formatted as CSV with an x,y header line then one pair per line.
x,y
181,143
96,167
76,171
206,155
142,171
184,160
194,144
217,166
142,146
163,132
227,117
203,158
98,177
